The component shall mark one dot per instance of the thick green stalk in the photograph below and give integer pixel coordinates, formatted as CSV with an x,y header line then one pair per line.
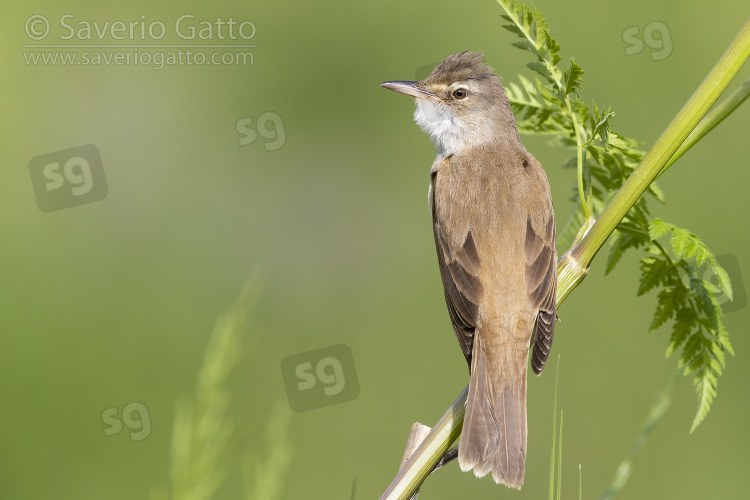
x,y
666,146
575,263
429,453
724,109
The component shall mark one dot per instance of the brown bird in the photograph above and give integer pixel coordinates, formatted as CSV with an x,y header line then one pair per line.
x,y
494,231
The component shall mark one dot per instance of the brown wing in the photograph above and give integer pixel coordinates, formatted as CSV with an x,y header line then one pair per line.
x,y
541,283
459,271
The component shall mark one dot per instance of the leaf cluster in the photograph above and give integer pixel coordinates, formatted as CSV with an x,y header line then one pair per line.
x,y
689,299
551,105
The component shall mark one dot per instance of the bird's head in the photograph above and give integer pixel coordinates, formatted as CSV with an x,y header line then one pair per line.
x,y
460,104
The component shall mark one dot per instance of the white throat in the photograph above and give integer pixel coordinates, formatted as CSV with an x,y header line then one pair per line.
x,y
448,132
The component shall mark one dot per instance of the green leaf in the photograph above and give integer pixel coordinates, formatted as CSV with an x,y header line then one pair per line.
x,y
654,271
668,301
541,69
703,254
525,45
690,357
618,142
599,123
680,240
554,48
709,305
723,340
692,246
655,190
705,387
540,26
515,29
529,87
683,325
724,282
658,228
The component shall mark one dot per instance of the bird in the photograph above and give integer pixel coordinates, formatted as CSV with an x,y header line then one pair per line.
x,y
495,236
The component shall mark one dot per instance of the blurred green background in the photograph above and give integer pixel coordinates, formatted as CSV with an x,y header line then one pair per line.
x,y
112,302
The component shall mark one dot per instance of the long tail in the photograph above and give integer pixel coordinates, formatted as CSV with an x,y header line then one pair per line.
x,y
493,438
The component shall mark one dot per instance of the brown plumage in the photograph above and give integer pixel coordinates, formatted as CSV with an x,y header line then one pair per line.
x,y
494,230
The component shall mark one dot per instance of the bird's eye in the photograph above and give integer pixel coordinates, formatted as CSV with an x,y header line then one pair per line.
x,y
460,93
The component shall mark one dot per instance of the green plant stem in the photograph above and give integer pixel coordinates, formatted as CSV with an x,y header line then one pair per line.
x,y
437,442
584,194
575,264
724,109
584,188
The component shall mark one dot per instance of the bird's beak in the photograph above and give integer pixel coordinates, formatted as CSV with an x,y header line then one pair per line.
x,y
408,88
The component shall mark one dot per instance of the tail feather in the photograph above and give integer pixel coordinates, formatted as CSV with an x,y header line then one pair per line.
x,y
493,438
